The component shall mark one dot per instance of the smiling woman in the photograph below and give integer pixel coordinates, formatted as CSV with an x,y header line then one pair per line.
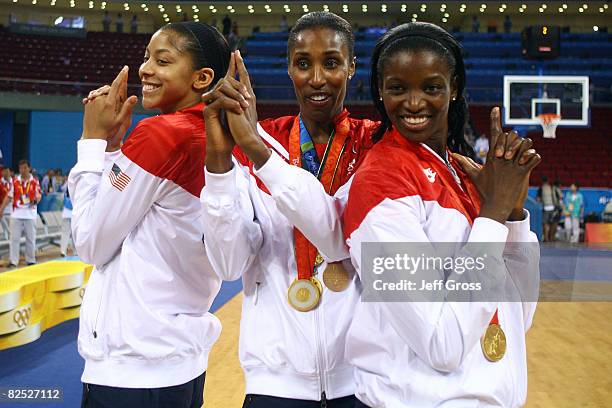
x,y
414,187
135,216
309,158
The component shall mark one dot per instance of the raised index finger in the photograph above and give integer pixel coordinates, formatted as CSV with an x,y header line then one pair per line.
x,y
231,69
243,74
116,85
496,129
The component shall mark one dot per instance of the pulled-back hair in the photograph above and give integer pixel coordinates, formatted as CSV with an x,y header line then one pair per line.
x,y
323,19
420,37
205,44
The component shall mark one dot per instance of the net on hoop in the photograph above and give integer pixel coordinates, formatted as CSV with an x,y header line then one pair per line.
x,y
549,123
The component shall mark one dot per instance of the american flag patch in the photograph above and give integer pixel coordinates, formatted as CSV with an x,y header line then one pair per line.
x,y
118,178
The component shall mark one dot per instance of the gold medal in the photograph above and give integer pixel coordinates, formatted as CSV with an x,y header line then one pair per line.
x,y
304,294
335,277
493,343
318,284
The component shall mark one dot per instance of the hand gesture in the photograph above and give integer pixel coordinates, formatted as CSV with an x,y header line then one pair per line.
x,y
504,180
237,100
108,114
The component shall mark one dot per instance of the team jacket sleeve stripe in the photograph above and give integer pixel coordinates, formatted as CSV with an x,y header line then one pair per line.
x,y
301,198
231,234
272,142
103,216
440,333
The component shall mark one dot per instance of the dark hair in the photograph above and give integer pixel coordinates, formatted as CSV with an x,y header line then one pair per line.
x,y
207,47
323,19
544,179
24,161
424,36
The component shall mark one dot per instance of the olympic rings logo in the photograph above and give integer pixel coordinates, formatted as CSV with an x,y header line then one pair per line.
x,y
22,317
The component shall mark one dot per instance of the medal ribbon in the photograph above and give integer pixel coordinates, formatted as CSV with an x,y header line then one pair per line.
x,y
24,190
302,153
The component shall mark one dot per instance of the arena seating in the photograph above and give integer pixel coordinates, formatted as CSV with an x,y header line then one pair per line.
x,y
100,56
75,66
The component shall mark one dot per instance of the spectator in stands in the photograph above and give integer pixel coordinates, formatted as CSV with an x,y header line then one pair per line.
x,y
66,237
475,24
507,24
233,40
106,22
227,25
26,196
49,183
547,195
134,24
481,148
284,26
6,201
573,208
119,23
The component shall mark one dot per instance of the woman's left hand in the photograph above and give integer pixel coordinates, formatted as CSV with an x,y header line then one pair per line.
x,y
522,151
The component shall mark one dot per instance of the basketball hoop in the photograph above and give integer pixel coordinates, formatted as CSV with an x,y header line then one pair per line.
x,y
549,123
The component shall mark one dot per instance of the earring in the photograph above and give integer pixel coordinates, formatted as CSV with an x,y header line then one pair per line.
x,y
454,98
350,76
380,98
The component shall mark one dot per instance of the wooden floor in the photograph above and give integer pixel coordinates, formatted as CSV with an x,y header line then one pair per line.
x,y
569,357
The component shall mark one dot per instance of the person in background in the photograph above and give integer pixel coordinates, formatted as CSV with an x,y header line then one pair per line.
x,y
573,211
284,26
481,148
134,24
558,199
45,183
119,23
106,22
507,24
227,25
6,202
26,195
475,24
66,237
546,196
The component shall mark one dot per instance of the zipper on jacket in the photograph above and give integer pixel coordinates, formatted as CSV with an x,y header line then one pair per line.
x,y
94,332
256,297
320,350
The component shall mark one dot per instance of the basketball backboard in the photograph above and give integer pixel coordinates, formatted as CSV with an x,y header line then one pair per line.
x,y
527,96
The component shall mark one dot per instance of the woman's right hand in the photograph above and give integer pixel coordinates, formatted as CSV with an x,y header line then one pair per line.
x,y
237,98
219,141
502,180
